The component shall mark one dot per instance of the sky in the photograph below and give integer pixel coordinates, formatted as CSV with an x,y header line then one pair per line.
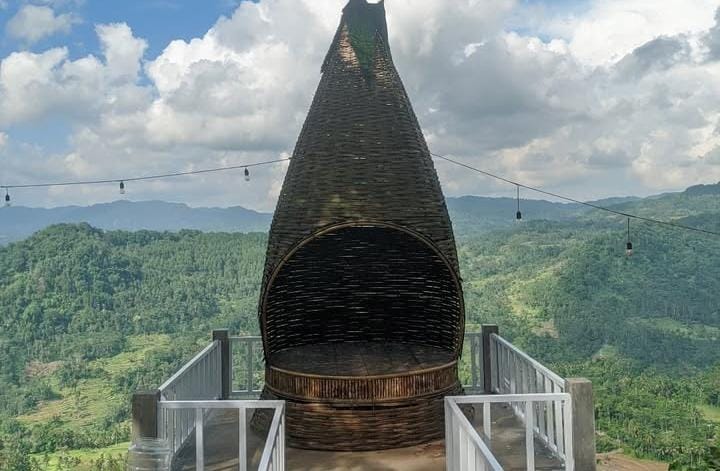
x,y
588,98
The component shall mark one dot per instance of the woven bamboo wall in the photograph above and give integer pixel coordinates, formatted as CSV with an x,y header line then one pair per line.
x,y
361,249
361,155
364,283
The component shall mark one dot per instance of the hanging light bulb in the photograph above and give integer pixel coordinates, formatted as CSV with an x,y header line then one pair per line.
x,y
518,216
7,197
122,188
629,248
247,175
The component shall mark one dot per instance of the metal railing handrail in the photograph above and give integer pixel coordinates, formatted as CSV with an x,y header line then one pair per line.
x,y
198,380
274,451
533,362
455,460
273,456
244,367
510,398
454,457
182,371
514,372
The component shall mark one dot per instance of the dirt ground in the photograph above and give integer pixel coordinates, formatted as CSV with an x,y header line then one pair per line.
x,y
619,462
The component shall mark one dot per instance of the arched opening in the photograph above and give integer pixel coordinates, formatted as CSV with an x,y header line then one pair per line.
x,y
362,293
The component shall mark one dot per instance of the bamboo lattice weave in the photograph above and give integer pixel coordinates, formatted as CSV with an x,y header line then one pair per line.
x,y
362,311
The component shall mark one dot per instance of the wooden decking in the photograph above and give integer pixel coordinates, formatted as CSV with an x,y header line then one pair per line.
x,y
222,438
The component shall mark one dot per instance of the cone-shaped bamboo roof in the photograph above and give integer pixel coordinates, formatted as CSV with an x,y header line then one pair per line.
x,y
361,155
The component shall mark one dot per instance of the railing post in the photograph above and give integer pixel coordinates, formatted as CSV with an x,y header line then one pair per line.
x,y
487,330
223,335
145,415
583,419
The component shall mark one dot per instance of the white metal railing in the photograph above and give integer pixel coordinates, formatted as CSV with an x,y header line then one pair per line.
x,y
247,371
200,379
248,365
516,373
273,455
472,358
466,450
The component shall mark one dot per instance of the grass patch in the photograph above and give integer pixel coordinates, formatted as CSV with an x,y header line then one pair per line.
x,y
710,413
82,459
671,326
93,398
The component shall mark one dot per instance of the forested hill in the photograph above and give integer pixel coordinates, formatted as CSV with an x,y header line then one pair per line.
x,y
89,316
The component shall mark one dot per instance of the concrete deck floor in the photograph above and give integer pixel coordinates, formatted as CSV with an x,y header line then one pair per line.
x,y
222,436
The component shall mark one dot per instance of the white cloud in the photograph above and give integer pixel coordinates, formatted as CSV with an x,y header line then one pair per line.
x,y
123,52
37,85
636,116
33,23
3,140
612,29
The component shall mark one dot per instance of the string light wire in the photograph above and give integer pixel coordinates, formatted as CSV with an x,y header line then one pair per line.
x,y
438,156
576,201
145,178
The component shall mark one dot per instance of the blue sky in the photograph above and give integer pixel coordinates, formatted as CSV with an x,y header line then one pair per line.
x,y
593,98
158,21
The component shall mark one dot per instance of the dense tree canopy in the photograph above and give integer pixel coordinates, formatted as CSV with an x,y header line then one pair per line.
x,y
90,316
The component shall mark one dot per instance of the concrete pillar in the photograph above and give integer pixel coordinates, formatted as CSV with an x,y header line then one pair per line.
x,y
488,367
583,413
145,414
223,335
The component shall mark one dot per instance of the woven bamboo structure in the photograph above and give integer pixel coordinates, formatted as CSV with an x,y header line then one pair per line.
x,y
361,311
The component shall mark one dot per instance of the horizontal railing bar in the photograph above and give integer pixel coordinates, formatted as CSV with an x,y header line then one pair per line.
x,y
474,436
206,351
536,364
221,404
500,398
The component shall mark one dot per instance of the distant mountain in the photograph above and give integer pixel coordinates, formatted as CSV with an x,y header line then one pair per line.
x,y
702,190
17,223
470,214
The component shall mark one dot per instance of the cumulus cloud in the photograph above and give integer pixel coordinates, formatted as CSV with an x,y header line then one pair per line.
x,y
712,40
621,98
611,29
37,85
33,22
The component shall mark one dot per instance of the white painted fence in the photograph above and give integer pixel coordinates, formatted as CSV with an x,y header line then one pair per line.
x,y
273,456
515,372
200,379
467,450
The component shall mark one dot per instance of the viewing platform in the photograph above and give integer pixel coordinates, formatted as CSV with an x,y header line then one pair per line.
x,y
204,417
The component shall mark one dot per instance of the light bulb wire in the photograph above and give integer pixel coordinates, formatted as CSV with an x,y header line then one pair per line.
x,y
442,157
577,201
146,177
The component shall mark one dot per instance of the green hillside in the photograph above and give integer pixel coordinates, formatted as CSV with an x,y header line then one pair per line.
x,y
89,316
